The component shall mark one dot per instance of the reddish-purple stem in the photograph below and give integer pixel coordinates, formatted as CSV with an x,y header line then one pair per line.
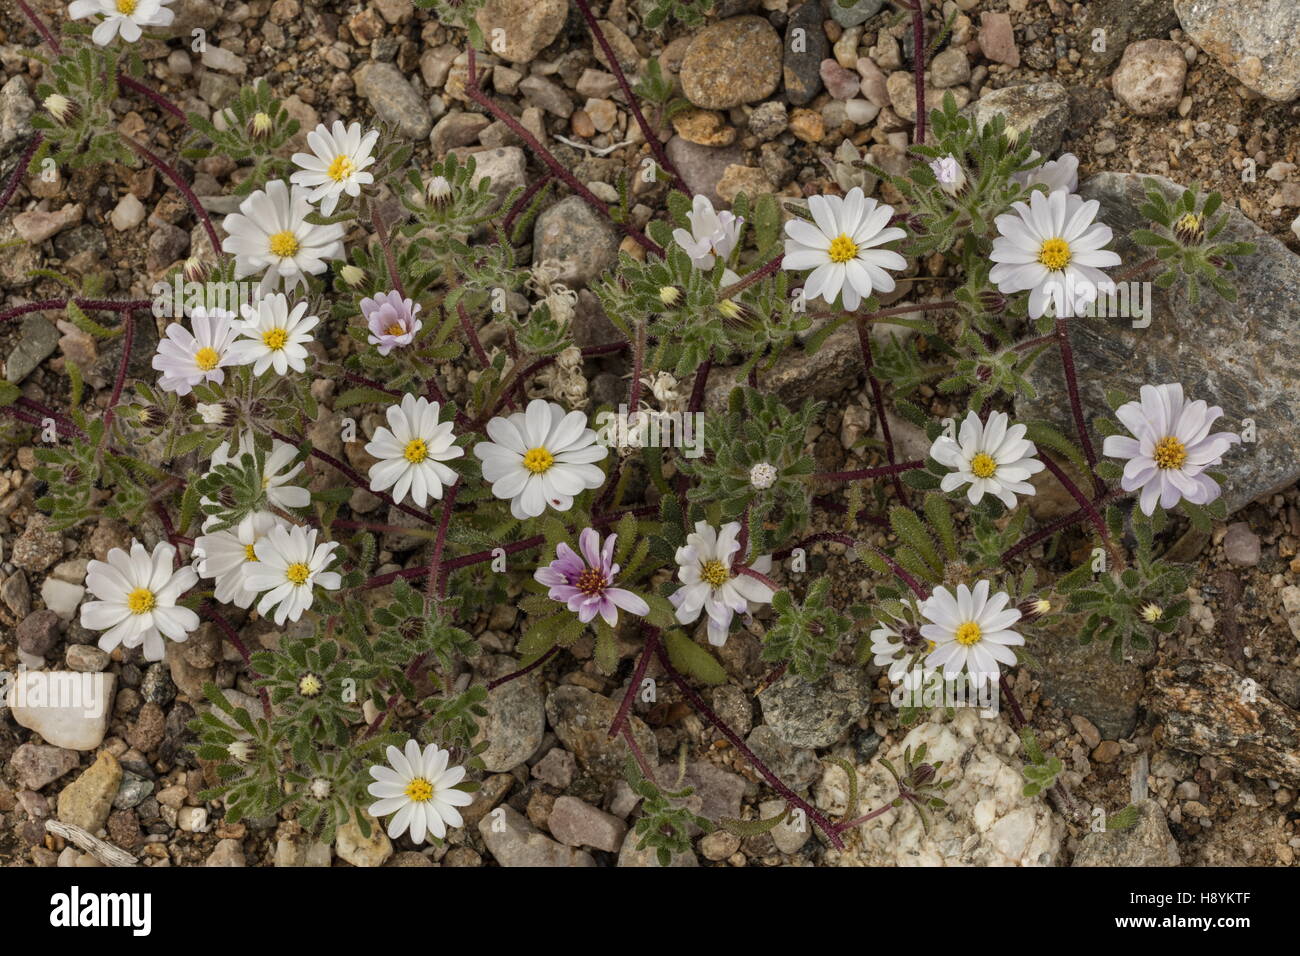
x,y
210,612
179,182
880,472
878,403
638,674
17,175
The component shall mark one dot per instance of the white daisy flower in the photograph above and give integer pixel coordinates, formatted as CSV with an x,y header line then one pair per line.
x,y
275,471
1051,247
713,234
541,457
1173,446
419,789
189,358
336,163
893,652
137,599
270,234
289,565
990,457
275,336
839,245
124,17
970,631
411,452
1062,173
223,555
708,584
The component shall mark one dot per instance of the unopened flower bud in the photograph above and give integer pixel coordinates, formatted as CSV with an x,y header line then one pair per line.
x,y
259,127
60,107
218,413
993,302
731,309
309,685
151,416
194,270
352,275
670,295
438,190
1152,613
922,775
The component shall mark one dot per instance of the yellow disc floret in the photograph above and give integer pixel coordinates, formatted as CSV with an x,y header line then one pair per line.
x,y
1055,254
283,244
1170,453
275,339
206,359
842,249
983,465
140,601
416,451
538,460
968,634
126,7
250,554
714,573
419,790
341,168
297,573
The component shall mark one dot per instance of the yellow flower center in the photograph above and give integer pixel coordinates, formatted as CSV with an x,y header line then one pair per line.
x,y
341,168
968,634
1055,254
842,249
416,451
714,573
140,601
983,465
538,460
249,553
1170,453
206,359
395,329
284,244
275,338
419,790
297,572
126,7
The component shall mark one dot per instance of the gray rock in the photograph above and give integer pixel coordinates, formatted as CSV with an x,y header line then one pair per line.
x,y
717,792
577,823
791,833
39,631
1241,545
1085,680
16,109
505,167
37,341
1213,710
702,166
545,95
36,765
556,768
1254,40
732,62
798,767
1146,843
513,841
132,791
167,243
1239,355
394,100
805,48
1123,21
518,30
227,853
798,376
1149,80
853,13
581,719
575,238
1039,110
516,717
816,714
16,595
455,129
